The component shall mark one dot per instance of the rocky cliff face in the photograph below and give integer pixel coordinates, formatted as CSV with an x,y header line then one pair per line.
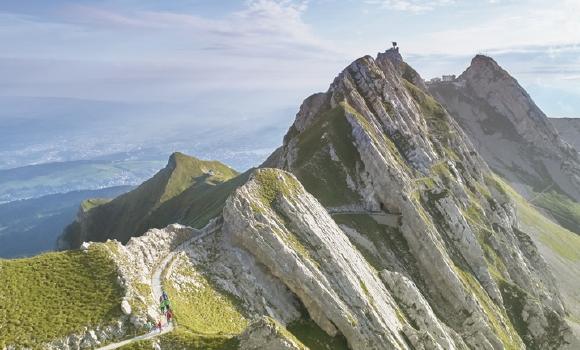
x,y
513,135
278,253
406,185
569,130
529,151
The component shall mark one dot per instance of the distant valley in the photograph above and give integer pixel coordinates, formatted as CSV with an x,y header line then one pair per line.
x,y
29,227
45,179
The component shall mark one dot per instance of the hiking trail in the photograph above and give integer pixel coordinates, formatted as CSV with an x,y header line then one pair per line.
x,y
157,290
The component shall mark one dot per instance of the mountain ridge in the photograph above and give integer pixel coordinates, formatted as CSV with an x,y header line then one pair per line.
x,y
134,212
396,124
376,225
512,133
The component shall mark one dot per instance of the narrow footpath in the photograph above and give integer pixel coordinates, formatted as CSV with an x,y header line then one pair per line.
x,y
157,290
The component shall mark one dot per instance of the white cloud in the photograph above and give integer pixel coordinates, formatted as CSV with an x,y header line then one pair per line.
x,y
514,25
411,5
123,55
572,77
261,26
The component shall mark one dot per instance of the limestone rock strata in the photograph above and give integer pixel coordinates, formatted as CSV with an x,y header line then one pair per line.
x,y
456,238
90,338
136,262
301,245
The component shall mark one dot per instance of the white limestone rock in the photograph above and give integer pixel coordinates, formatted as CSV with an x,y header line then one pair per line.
x,y
126,307
266,333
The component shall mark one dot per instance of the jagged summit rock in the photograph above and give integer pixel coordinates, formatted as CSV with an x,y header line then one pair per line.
x,y
513,135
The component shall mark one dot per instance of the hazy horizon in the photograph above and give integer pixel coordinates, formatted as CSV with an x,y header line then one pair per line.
x,y
86,79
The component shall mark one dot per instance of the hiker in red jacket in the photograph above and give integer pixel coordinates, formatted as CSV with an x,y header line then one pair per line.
x,y
169,315
159,326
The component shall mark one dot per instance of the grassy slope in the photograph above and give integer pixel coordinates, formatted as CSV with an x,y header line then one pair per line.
x,y
564,243
560,248
196,205
203,312
52,295
320,175
564,210
184,340
91,203
157,202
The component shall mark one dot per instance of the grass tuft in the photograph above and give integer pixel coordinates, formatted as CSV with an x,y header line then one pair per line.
x,y
273,183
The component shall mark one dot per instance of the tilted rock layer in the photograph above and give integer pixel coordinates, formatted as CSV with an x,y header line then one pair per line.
x,y
377,146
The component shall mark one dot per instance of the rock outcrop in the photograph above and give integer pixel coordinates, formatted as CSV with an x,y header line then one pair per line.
x,y
266,333
289,232
91,338
534,154
137,261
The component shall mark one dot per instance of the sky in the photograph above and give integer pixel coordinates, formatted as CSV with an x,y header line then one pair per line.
x,y
179,65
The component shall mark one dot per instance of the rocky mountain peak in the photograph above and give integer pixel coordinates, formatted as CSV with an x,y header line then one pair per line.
x,y
516,138
484,70
392,55
177,157
491,82
483,62
378,149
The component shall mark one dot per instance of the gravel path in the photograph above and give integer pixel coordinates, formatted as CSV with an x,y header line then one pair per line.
x,y
157,290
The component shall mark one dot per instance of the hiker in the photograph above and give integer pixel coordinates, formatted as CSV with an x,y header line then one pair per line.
x,y
164,295
166,303
159,326
169,315
162,307
149,326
